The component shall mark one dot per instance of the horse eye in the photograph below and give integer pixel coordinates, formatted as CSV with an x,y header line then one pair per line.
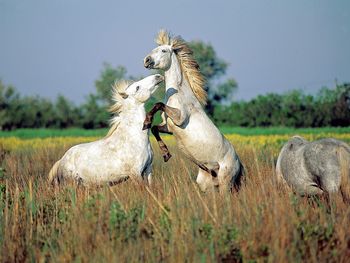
x,y
137,88
164,50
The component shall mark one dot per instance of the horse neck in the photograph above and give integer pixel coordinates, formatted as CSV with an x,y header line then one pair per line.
x,y
176,79
131,120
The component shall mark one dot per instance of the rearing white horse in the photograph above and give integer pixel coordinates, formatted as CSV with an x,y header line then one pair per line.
x,y
183,115
125,151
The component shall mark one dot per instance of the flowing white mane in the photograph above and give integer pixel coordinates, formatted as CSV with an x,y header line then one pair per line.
x,y
118,95
187,62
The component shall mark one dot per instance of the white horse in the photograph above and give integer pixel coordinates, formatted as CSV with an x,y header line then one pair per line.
x,y
314,168
183,115
125,151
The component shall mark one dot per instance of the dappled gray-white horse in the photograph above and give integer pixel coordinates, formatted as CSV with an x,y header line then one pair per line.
x,y
317,167
125,151
183,115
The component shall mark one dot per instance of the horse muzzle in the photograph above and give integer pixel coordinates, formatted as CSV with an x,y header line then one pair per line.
x,y
159,78
148,62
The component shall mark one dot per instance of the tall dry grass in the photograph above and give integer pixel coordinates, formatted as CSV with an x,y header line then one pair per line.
x,y
172,221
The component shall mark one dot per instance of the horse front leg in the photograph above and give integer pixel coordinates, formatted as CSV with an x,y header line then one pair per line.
x,y
163,148
173,113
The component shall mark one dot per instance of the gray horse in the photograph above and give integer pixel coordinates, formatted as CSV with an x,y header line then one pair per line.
x,y
312,168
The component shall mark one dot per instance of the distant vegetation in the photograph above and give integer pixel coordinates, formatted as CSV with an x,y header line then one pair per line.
x,y
329,107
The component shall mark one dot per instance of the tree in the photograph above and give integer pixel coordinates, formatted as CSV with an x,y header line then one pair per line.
x,y
33,112
94,114
341,106
211,66
24,112
67,115
107,78
9,106
95,109
225,91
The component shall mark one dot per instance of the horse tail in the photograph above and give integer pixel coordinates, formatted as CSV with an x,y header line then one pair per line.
x,y
345,146
239,176
53,173
278,168
344,161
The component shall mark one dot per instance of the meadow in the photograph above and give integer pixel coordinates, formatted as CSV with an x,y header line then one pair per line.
x,y
78,132
172,220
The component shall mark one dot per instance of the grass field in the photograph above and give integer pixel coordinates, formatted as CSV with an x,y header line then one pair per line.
x,y
75,132
171,221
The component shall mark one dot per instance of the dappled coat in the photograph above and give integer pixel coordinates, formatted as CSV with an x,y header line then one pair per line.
x,y
126,150
314,167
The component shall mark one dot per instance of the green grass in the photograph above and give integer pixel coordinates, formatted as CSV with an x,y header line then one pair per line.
x,y
282,130
76,132
44,133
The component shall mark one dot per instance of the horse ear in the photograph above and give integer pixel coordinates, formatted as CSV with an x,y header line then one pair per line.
x,y
124,95
176,49
163,38
177,44
120,87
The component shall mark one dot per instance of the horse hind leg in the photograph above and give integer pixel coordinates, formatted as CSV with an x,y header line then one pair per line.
x,y
147,175
205,180
313,190
345,188
344,160
335,175
54,177
230,173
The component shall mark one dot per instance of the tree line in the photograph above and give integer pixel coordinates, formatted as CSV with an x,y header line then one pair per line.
x,y
329,107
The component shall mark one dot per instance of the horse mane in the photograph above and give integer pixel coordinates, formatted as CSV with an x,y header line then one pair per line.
x,y
163,38
187,62
118,95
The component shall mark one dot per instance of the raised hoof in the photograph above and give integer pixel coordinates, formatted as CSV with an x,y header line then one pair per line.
x,y
146,126
166,157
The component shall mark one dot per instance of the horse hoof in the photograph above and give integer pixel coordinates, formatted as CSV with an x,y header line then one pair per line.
x,y
146,126
166,157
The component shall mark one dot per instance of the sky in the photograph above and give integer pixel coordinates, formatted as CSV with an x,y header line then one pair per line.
x,y
59,46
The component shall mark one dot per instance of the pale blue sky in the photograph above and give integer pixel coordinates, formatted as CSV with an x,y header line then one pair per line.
x,y
52,47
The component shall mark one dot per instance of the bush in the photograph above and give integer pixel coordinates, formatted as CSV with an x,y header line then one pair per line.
x,y
330,107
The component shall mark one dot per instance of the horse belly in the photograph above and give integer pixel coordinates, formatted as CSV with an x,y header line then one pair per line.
x,y
199,143
94,165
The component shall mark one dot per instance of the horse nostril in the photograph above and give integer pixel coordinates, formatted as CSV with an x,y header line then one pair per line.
x,y
148,62
159,78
